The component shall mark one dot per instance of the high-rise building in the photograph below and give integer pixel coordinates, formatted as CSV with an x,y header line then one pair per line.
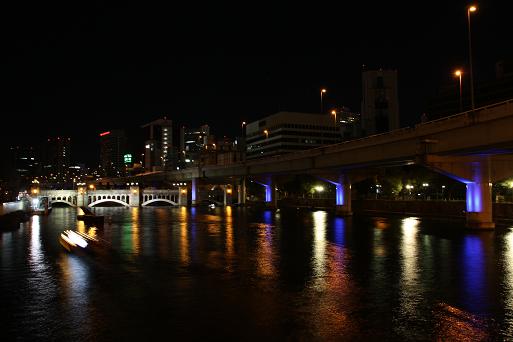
x,y
24,166
57,159
112,150
192,142
286,132
380,103
158,146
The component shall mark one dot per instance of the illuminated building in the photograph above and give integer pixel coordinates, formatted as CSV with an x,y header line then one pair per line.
x,y
158,146
112,150
286,132
57,159
23,166
192,142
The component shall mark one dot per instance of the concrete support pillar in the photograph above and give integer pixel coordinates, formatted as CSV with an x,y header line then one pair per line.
x,y
241,193
227,195
182,196
271,200
476,173
194,192
479,198
134,196
82,198
343,196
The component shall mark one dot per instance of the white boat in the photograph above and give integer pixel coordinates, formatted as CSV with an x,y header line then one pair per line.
x,y
74,241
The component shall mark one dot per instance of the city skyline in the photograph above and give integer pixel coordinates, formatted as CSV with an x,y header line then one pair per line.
x,y
101,67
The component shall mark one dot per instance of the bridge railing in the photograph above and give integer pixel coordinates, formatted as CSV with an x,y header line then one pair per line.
x,y
482,113
458,120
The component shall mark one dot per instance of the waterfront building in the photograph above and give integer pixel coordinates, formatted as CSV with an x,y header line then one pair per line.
x,y
286,132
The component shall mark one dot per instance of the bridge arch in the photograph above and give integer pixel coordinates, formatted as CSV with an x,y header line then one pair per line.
x,y
158,200
112,200
63,201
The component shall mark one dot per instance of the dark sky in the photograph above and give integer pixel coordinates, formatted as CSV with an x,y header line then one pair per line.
x,y
78,68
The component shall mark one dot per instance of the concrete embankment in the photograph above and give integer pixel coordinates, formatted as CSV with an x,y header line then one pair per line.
x,y
501,211
456,209
12,213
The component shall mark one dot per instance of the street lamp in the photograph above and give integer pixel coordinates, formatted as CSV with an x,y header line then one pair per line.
x,y
458,73
334,113
470,9
266,132
322,93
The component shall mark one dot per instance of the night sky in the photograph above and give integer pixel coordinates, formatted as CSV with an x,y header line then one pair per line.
x,y
76,69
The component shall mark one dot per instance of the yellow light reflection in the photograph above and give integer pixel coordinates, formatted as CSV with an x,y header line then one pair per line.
x,y
381,223
229,234
265,254
136,239
36,255
81,227
409,227
184,244
319,247
410,295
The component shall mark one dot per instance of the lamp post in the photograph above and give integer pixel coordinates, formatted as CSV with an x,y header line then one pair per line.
x,y
458,74
266,132
323,91
334,113
470,9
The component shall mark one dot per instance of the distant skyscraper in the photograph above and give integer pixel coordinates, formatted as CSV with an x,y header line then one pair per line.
x,y
57,159
380,103
24,166
112,150
158,146
192,142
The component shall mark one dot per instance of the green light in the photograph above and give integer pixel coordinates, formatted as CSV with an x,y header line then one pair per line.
x,y
127,158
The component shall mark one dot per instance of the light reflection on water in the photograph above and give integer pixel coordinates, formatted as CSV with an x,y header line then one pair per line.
x,y
298,275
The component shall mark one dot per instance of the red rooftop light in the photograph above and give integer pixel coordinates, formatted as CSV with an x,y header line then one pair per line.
x,y
104,133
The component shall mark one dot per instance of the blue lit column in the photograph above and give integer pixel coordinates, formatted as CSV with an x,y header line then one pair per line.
x,y
271,200
475,172
194,192
479,197
343,196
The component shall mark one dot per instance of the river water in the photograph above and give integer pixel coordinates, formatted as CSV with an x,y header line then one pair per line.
x,y
250,274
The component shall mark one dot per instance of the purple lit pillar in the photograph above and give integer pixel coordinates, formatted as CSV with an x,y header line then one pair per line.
x,y
271,200
194,192
343,196
479,197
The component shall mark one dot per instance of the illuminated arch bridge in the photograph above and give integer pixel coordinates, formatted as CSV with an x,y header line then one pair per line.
x,y
127,197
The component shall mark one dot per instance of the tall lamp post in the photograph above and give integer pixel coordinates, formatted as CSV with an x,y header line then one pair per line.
x,y
470,9
334,113
458,73
323,91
